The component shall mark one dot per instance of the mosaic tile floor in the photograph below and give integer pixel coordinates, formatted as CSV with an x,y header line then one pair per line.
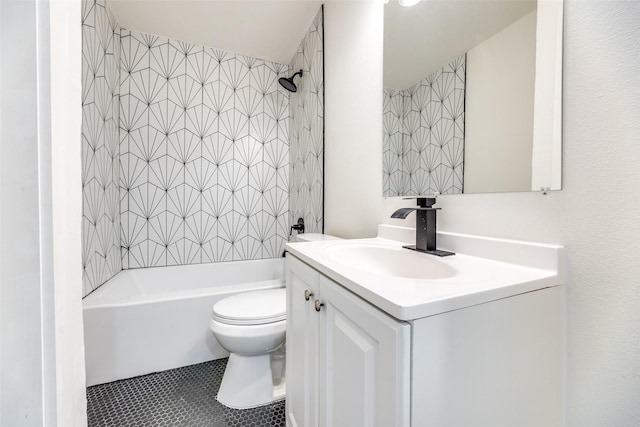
x,y
178,397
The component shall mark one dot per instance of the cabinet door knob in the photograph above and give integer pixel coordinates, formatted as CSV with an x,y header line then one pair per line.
x,y
307,294
318,305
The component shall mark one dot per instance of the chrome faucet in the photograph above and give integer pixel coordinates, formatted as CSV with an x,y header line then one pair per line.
x,y
425,226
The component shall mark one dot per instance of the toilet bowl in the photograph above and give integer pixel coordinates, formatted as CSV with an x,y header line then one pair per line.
x,y
251,326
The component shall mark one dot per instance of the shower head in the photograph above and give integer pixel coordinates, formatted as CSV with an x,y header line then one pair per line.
x,y
288,83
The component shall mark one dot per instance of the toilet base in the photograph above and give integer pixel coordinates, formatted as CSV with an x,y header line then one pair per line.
x,y
247,383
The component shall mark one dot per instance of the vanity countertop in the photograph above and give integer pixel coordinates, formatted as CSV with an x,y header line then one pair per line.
x,y
486,269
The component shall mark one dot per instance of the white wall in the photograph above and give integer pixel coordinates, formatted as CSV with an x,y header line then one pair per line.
x,y
499,110
353,117
22,354
66,119
41,350
595,215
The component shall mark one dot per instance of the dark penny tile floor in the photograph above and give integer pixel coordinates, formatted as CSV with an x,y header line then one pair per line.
x,y
178,397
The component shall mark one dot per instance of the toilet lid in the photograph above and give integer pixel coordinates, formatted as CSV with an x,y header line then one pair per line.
x,y
252,308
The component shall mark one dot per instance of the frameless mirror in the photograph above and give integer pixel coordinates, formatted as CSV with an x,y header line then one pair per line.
x,y
472,97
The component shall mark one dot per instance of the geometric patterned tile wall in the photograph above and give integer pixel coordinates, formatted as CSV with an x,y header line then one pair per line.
x,y
423,134
394,178
307,130
204,154
100,140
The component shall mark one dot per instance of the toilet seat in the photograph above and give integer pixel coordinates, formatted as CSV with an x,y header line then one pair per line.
x,y
252,308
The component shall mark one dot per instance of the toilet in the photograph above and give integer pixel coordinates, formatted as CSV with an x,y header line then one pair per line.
x,y
251,326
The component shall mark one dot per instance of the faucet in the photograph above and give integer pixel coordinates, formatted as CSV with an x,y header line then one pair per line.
x,y
425,226
299,227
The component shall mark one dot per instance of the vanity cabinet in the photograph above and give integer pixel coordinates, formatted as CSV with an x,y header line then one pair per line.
x,y
348,363
494,363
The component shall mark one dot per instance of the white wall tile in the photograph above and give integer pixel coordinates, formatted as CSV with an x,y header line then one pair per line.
x,y
423,134
306,133
100,145
203,119
186,149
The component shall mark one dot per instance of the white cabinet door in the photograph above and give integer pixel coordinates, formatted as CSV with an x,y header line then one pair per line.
x,y
302,345
364,377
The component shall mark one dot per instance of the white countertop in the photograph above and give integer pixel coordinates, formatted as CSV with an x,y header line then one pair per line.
x,y
507,268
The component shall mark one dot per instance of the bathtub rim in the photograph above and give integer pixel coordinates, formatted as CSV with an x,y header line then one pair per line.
x,y
101,298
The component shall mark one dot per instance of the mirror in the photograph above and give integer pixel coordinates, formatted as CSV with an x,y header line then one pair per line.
x,y
472,97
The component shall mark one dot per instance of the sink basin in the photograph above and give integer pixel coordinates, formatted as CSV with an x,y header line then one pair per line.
x,y
391,262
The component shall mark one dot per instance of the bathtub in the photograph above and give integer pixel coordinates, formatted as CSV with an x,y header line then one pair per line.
x,y
152,319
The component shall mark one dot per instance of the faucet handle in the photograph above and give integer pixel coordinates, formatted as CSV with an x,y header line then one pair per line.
x,y
426,202
423,202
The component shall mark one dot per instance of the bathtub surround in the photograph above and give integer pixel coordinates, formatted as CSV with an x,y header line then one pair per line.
x,y
423,136
204,154
393,112
197,140
306,124
100,139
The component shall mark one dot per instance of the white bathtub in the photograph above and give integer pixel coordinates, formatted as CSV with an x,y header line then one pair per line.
x,y
152,319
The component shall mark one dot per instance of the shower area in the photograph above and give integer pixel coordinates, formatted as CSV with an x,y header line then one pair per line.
x,y
196,161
